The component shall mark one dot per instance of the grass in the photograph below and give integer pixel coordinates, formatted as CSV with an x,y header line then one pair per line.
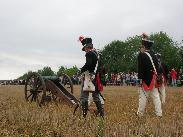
x,y
19,118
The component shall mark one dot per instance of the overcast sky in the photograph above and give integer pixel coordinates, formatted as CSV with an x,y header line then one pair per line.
x,y
38,33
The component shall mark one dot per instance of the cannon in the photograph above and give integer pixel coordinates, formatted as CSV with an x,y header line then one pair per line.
x,y
40,89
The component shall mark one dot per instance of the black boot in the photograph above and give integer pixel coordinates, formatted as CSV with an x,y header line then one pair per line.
x,y
100,108
85,108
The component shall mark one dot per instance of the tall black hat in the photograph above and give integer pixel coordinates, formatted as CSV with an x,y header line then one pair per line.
x,y
147,43
86,42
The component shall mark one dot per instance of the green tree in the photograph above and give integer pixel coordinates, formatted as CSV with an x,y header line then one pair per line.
x,y
168,48
181,55
132,50
72,71
112,54
69,71
61,70
46,71
122,55
24,76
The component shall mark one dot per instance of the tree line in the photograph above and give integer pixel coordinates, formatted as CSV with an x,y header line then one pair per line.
x,y
47,71
121,55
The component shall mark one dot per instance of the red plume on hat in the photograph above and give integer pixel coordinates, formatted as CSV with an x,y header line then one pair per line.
x,y
81,38
85,41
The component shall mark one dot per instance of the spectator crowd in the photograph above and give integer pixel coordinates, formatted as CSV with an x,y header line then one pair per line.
x,y
175,78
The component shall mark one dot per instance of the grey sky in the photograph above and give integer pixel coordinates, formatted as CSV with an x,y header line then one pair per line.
x,y
38,33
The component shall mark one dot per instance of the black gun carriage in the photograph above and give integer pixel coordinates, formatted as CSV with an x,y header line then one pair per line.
x,y
40,89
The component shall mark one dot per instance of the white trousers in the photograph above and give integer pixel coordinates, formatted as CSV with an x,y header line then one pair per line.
x,y
163,93
143,96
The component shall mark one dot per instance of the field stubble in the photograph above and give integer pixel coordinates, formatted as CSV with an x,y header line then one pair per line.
x,y
19,118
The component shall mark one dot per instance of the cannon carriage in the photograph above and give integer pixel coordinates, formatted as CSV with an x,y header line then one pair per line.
x,y
41,89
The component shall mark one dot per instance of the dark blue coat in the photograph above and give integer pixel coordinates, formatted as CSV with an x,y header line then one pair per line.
x,y
145,67
91,61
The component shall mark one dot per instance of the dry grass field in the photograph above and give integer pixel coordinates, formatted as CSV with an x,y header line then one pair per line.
x,y
19,118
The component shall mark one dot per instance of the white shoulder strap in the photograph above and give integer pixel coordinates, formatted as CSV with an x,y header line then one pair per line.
x,y
151,61
96,65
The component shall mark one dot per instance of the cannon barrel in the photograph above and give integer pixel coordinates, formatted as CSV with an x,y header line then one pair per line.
x,y
54,79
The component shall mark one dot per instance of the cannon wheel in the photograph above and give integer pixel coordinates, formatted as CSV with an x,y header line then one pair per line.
x,y
35,89
66,82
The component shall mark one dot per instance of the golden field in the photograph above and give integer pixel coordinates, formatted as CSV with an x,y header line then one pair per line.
x,y
19,118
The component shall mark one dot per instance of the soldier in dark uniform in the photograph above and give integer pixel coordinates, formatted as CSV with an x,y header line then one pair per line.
x,y
90,66
147,73
163,69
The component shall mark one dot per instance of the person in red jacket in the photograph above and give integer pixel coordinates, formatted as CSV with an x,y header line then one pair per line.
x,y
173,74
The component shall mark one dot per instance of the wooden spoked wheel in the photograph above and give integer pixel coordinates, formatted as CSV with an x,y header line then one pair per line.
x,y
35,89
